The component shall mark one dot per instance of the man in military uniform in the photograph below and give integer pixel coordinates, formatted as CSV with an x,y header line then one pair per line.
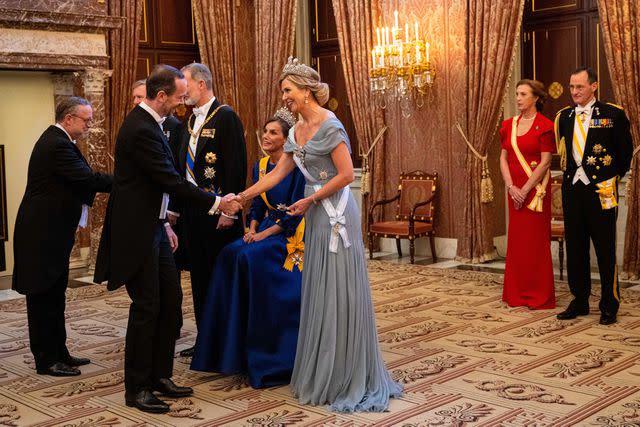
x,y
594,142
212,156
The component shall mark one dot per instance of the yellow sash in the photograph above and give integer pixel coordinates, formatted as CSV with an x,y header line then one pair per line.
x,y
295,243
608,193
579,140
541,188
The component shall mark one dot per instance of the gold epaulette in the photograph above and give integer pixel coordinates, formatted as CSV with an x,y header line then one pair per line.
x,y
562,109
615,105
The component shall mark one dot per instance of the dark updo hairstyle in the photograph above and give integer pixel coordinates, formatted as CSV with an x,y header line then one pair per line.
x,y
284,126
537,88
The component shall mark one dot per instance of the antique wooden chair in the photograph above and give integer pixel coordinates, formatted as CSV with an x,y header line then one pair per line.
x,y
557,219
415,207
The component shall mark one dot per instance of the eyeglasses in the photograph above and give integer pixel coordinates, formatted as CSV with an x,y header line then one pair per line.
x,y
87,122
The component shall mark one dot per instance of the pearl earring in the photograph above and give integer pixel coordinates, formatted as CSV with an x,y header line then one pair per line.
x,y
306,99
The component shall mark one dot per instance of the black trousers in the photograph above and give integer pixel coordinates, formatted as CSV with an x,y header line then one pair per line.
x,y
155,317
47,333
585,220
203,243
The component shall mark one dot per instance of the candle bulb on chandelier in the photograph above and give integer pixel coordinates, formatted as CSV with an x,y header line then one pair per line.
x,y
395,18
386,36
378,34
418,57
427,46
373,58
415,26
406,32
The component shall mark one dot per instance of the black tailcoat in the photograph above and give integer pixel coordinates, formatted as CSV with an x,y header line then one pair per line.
x,y
607,154
59,182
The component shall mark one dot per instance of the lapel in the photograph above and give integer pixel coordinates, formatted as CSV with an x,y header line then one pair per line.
x,y
156,128
75,148
595,114
202,141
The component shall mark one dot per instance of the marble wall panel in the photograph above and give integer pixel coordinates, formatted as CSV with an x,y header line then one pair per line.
x,y
94,7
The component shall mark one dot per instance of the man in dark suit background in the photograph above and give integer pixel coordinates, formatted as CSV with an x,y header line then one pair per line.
x,y
137,241
212,156
60,188
594,140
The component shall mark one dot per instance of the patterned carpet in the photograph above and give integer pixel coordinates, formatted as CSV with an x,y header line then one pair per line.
x,y
465,360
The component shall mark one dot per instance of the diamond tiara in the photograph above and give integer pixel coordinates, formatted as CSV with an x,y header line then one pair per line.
x,y
293,66
286,115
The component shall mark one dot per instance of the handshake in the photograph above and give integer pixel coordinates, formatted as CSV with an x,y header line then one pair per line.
x,y
230,204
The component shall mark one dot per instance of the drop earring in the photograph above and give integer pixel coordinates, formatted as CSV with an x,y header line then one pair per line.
x,y
306,99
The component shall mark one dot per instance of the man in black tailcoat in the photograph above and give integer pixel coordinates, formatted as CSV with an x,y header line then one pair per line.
x,y
137,241
594,140
212,156
60,188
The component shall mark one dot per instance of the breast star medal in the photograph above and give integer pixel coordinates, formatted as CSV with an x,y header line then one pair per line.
x,y
324,174
606,160
281,207
591,160
597,148
209,172
210,157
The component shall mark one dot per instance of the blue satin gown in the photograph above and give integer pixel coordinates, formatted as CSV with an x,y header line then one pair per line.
x,y
252,312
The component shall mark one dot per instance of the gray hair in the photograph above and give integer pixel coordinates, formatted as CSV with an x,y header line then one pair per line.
x,y
141,82
200,71
69,106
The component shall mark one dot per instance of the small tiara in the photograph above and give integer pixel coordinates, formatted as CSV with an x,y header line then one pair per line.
x,y
286,115
293,66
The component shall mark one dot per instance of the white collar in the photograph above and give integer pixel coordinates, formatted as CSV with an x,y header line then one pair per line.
x,y
59,126
589,104
153,113
207,106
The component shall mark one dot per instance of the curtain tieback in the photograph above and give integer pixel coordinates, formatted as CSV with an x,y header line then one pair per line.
x,y
486,185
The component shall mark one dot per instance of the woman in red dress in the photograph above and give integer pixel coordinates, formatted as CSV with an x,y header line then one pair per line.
x,y
527,144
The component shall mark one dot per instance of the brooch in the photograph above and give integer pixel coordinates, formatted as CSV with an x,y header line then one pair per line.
x,y
299,153
324,174
597,148
606,160
534,164
210,157
591,160
281,207
209,172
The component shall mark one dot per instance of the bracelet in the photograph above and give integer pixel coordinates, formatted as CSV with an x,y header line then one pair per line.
x,y
242,196
509,187
313,199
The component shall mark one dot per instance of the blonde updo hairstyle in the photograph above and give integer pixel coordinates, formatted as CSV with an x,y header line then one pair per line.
x,y
311,81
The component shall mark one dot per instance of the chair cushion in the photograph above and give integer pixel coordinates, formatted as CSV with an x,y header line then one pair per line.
x,y
399,228
557,229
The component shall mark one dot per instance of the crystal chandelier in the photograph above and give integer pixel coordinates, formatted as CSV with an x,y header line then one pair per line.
x,y
401,69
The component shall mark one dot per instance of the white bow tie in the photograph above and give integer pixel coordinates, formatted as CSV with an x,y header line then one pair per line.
x,y
199,111
581,110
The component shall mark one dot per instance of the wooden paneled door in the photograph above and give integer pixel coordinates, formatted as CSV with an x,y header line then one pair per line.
x,y
559,36
325,56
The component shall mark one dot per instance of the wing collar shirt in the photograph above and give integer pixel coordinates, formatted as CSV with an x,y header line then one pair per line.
x,y
584,115
85,208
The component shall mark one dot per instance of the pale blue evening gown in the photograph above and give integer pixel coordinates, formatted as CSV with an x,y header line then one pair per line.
x,y
338,361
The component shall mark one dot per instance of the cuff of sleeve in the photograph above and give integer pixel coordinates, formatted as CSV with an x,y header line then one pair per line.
x,y
167,225
176,214
214,208
229,216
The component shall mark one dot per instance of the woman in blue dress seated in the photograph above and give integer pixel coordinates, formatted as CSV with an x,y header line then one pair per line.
x,y
253,301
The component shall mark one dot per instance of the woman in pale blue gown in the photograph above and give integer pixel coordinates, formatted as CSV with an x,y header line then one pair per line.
x,y
338,361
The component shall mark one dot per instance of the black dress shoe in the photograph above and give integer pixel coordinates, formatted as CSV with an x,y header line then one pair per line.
x,y
187,352
166,387
77,361
145,401
571,313
607,319
60,369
